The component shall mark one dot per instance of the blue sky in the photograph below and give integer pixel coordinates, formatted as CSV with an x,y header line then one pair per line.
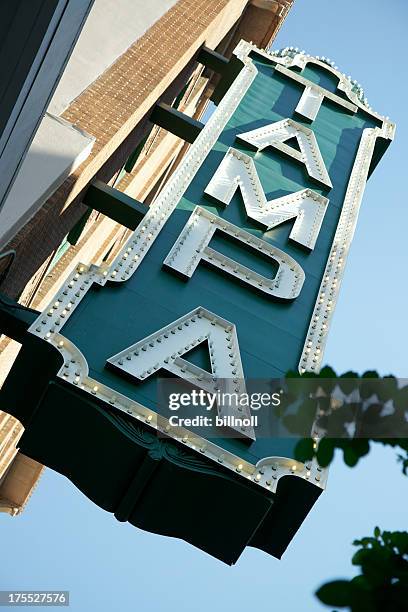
x,y
63,541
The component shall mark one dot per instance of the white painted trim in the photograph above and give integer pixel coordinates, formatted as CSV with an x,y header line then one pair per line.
x,y
316,338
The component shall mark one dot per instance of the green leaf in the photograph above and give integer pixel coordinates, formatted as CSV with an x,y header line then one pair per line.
x,y
376,564
361,446
388,388
362,555
370,374
350,456
307,411
363,598
304,450
336,593
364,542
327,379
292,423
327,372
325,451
399,539
293,374
348,382
401,398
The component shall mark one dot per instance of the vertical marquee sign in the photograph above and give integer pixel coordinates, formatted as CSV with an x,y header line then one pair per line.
x,y
242,252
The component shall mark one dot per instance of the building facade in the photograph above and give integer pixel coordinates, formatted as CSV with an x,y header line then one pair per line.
x,y
97,127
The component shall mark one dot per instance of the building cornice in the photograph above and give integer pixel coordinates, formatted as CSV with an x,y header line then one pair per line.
x,y
279,7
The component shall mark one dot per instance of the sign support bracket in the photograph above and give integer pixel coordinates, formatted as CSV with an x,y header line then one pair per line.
x,y
115,204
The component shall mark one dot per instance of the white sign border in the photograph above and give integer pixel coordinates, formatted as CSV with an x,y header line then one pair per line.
x,y
267,472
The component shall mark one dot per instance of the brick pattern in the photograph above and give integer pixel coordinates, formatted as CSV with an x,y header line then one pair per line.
x,y
192,105
137,72
110,108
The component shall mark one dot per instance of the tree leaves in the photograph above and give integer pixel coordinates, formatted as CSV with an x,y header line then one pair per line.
x,y
304,450
383,582
325,451
346,412
336,593
382,585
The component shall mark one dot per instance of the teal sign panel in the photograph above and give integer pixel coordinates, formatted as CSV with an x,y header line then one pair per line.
x,y
234,272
